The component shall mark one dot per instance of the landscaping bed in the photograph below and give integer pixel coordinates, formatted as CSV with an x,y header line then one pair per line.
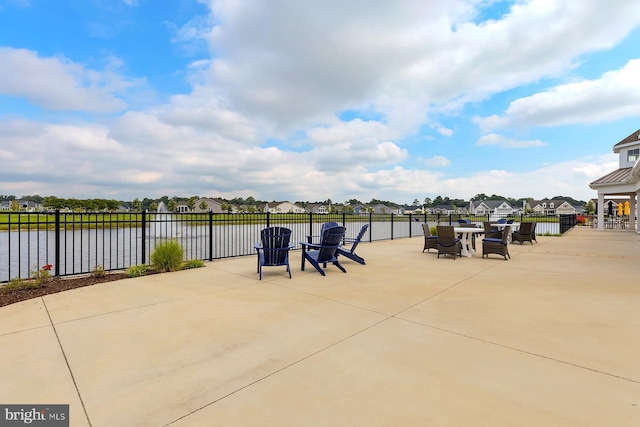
x,y
55,285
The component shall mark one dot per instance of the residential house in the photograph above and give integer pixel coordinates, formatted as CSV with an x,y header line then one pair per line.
x,y
622,182
449,210
23,205
497,208
318,208
413,210
207,204
382,209
283,207
182,207
359,209
553,207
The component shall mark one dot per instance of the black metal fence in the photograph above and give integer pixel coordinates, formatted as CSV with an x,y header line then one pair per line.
x,y
80,243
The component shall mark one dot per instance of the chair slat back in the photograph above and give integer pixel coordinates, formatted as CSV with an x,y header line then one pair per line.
x,y
526,228
446,235
359,237
331,239
274,242
505,235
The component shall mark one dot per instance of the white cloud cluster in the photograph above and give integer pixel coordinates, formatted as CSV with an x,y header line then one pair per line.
x,y
502,141
613,96
262,116
57,83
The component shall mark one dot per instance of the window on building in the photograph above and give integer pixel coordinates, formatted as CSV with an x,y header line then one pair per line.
x,y
551,205
632,155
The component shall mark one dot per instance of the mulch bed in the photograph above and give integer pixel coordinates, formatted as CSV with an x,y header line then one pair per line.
x,y
56,285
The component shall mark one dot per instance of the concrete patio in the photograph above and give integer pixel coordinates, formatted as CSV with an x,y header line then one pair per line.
x,y
548,338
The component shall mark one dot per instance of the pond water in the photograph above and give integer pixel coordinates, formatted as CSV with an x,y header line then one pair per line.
x,y
118,248
82,250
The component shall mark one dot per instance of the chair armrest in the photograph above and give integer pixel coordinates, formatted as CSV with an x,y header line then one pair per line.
x,y
310,245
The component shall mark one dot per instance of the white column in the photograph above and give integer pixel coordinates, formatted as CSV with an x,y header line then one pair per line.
x,y
634,208
600,211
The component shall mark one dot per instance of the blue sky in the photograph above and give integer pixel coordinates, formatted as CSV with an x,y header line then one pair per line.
x,y
290,100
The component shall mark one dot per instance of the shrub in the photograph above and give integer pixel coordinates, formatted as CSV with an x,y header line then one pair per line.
x,y
434,230
98,271
14,285
580,219
167,256
40,277
137,270
193,263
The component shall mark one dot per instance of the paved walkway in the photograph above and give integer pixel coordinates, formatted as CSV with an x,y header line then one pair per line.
x,y
548,338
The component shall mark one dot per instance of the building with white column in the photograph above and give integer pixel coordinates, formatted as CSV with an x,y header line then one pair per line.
x,y
624,181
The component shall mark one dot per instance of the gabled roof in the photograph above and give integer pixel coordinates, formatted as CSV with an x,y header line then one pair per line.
x,y
556,202
618,176
631,139
491,204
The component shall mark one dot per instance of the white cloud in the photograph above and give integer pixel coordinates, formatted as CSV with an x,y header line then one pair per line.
x,y
502,141
444,131
57,83
613,96
281,70
436,161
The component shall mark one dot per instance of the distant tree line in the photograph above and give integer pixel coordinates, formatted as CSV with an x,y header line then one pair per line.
x,y
52,202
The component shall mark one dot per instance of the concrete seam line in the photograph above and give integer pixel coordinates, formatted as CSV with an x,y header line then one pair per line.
x,y
66,361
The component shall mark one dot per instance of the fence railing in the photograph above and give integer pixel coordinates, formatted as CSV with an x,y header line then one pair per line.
x,y
616,222
80,243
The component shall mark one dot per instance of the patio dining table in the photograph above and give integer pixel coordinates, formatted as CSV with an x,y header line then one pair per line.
x,y
466,238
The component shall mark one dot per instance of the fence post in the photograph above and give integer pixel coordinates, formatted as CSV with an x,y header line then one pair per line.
x,y
310,224
370,227
410,224
268,220
144,237
210,235
392,226
57,242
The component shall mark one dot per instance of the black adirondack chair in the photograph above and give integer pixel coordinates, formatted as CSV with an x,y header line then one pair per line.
x,y
324,252
351,252
273,249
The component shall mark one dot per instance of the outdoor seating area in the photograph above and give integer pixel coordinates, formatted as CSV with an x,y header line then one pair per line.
x,y
406,340
460,241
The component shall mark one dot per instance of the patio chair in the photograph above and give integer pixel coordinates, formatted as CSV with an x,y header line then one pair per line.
x,y
430,242
351,252
464,221
273,249
491,232
324,252
323,227
491,245
524,234
448,243
533,232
